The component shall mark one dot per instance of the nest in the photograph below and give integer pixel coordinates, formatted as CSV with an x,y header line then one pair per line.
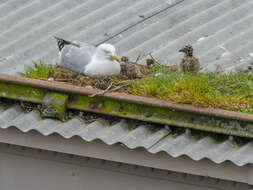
x,y
129,71
117,82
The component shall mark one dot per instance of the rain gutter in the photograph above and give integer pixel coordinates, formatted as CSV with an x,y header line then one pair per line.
x,y
57,97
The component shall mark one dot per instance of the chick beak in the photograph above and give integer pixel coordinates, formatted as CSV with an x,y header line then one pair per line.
x,y
182,50
116,58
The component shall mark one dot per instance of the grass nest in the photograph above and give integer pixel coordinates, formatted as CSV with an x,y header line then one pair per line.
x,y
102,83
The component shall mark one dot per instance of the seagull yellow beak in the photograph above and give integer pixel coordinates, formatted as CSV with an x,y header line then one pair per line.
x,y
116,58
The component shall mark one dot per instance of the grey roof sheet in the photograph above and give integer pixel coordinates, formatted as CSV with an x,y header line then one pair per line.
x,y
221,32
141,136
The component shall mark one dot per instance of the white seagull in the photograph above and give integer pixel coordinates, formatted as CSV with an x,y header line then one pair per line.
x,y
88,59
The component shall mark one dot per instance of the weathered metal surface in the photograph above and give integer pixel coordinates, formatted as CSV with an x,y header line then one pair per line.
x,y
21,92
165,115
54,105
70,89
128,106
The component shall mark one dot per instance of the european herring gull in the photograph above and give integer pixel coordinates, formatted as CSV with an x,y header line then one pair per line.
x,y
87,59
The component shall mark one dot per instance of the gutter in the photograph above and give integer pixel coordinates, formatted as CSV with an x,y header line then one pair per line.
x,y
57,97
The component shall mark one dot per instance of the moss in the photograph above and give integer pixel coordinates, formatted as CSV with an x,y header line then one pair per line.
x,y
54,105
25,93
216,138
40,70
161,115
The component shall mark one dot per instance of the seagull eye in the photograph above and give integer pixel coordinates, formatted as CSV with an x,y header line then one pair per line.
x,y
107,52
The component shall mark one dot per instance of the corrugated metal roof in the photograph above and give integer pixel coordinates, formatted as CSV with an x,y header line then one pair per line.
x,y
141,136
221,32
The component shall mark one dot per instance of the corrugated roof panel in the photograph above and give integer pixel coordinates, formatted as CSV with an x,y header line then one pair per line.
x,y
208,22
172,27
141,136
10,6
220,31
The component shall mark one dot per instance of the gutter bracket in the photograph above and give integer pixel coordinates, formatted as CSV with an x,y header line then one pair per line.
x,y
54,105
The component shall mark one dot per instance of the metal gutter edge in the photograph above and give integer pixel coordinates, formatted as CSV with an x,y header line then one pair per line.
x,y
129,106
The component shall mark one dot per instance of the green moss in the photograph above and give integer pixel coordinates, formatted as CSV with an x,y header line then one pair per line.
x,y
232,91
19,92
54,105
39,70
161,115
60,104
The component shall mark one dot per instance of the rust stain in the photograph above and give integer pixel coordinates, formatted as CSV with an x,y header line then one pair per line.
x,y
95,106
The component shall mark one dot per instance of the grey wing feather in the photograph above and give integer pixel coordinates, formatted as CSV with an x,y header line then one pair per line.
x,y
74,58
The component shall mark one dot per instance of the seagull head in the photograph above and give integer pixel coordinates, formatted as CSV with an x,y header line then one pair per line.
x,y
108,51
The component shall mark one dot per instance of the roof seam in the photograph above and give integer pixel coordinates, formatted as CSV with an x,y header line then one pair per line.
x,y
148,148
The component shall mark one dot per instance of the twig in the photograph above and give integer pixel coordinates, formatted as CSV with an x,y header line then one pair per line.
x,y
138,58
44,79
63,80
118,87
153,58
108,88
102,93
92,120
99,120
124,81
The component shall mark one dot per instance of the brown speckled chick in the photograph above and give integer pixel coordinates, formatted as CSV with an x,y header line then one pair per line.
x,y
133,70
189,63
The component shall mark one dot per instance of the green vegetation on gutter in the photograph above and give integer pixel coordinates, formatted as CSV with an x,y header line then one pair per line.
x,y
40,70
230,91
163,115
21,92
58,97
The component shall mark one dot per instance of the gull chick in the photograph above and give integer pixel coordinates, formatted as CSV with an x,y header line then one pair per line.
x,y
88,59
189,63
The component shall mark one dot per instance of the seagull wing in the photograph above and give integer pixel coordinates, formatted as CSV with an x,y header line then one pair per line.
x,y
76,58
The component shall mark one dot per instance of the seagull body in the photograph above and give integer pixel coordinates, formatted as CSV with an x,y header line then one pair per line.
x,y
88,59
